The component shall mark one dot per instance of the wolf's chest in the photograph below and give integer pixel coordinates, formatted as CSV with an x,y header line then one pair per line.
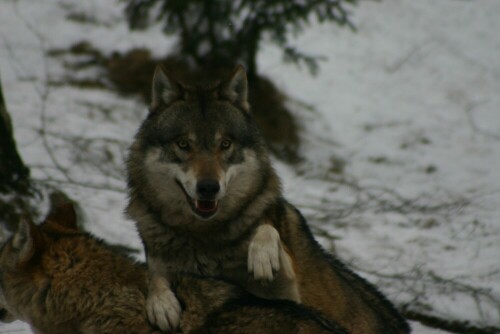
x,y
184,255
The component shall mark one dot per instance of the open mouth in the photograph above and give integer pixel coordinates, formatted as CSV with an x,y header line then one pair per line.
x,y
204,209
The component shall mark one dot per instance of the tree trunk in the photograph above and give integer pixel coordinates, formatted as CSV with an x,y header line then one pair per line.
x,y
14,175
253,47
15,186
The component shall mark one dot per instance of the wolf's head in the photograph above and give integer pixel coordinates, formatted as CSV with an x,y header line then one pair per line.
x,y
199,151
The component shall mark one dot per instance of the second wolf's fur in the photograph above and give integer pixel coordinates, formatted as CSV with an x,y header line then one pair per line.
x,y
202,187
61,280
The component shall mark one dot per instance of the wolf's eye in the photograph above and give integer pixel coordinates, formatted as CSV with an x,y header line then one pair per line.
x,y
225,144
183,144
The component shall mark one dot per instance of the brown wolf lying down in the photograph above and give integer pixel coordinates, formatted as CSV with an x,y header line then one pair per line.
x,y
62,280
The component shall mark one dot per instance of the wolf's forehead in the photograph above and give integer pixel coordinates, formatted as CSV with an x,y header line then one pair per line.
x,y
209,133
206,120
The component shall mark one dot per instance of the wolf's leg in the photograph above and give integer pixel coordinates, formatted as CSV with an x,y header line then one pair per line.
x,y
288,279
269,259
162,305
264,253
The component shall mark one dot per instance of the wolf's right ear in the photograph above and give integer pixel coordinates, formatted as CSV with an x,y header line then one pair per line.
x,y
236,88
23,241
164,90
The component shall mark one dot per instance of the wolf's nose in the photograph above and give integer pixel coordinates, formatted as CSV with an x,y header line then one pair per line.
x,y
207,189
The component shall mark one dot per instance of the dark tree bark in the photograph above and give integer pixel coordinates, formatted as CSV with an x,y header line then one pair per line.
x,y
15,185
14,175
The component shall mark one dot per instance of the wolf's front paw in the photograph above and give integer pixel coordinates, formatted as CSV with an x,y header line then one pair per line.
x,y
264,253
162,305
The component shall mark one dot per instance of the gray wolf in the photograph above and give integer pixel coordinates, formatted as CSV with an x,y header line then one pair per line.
x,y
207,201
62,280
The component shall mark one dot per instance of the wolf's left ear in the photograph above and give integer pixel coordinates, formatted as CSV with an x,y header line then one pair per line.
x,y
62,218
164,90
23,240
236,88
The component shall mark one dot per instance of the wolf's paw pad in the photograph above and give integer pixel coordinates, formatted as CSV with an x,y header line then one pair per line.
x,y
264,253
163,308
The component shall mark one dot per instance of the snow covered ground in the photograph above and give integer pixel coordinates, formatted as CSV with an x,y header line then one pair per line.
x,y
410,103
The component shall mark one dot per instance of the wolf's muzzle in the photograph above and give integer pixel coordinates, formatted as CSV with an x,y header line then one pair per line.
x,y
207,189
206,205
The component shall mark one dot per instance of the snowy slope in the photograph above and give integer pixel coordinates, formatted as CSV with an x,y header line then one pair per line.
x,y
410,102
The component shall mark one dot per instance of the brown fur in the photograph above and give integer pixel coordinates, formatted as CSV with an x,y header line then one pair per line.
x,y
215,307
61,280
327,285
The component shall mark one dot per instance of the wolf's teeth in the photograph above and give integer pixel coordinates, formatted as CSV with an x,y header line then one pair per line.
x,y
206,206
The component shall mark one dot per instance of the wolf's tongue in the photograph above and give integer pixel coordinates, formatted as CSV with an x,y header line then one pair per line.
x,y
206,206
